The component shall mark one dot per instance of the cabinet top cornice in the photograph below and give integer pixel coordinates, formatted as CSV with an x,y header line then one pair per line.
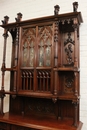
x,y
51,18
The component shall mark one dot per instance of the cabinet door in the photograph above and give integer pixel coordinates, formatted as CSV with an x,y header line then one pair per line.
x,y
36,61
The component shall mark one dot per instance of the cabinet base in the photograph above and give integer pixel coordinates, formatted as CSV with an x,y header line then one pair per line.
x,y
15,122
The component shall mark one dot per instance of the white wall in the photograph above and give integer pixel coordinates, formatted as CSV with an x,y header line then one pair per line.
x,y
38,8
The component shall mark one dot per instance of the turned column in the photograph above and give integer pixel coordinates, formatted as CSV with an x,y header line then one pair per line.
x,y
56,25
76,83
18,19
1,103
5,35
75,103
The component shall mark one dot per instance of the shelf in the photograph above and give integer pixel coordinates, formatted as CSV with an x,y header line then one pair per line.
x,y
68,97
66,69
39,123
9,69
42,95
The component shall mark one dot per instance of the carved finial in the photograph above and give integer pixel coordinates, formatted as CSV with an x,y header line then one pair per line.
x,y
56,9
75,6
5,21
19,17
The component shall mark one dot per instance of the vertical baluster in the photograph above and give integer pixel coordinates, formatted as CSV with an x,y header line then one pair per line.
x,y
43,81
23,80
30,78
40,78
47,83
27,78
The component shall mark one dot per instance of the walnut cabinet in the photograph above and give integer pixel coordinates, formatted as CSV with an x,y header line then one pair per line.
x,y
44,87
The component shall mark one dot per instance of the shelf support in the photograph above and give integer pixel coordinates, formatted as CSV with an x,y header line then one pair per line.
x,y
75,102
1,102
76,83
5,35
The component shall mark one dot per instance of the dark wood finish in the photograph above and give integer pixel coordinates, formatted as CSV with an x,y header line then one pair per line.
x,y
44,74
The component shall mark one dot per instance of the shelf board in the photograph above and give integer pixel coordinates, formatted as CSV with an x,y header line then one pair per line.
x,y
66,69
9,69
39,123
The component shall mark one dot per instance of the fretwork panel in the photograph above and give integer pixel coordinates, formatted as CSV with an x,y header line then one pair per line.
x,y
27,80
44,80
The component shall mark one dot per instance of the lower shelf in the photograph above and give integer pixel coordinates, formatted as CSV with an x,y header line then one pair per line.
x,y
38,122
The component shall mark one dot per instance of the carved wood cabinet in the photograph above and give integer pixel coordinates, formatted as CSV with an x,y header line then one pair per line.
x,y
44,75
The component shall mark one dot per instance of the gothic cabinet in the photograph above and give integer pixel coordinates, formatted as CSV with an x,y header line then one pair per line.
x,y
44,74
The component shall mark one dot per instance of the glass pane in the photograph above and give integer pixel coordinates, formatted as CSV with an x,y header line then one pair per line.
x,y
25,53
41,57
31,54
48,53
48,56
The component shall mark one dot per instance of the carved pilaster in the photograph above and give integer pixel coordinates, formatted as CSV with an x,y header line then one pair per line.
x,y
75,102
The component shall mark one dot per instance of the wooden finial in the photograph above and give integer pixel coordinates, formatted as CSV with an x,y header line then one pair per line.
x,y
19,17
5,21
56,9
75,6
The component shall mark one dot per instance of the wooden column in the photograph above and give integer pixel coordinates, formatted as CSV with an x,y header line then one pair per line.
x,y
56,11
18,19
5,35
1,103
75,102
75,26
76,83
